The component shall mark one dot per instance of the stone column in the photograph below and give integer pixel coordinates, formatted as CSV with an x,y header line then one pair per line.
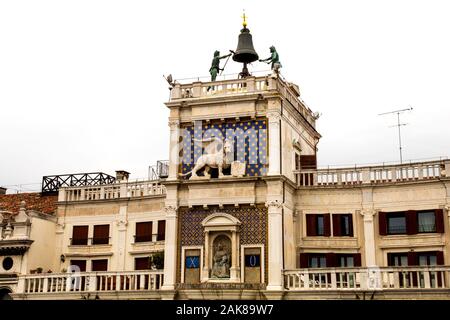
x,y
234,269
369,237
174,149
275,245
205,270
274,142
121,239
170,248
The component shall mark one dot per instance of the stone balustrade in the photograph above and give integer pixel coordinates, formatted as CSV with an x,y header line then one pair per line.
x,y
374,174
242,86
384,278
112,191
149,280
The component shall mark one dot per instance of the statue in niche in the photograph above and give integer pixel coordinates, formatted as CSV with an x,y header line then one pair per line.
x,y
221,258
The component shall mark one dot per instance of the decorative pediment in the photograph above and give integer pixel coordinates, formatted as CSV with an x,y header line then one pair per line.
x,y
220,220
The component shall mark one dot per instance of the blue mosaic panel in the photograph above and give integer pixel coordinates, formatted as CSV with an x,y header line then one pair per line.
x,y
249,140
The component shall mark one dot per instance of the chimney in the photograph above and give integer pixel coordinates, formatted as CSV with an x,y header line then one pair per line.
x,y
122,175
2,190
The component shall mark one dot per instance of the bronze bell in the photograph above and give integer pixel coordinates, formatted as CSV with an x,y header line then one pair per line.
x,y
245,53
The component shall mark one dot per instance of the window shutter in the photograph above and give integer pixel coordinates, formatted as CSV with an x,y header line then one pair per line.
x,y
327,225
382,222
144,231
411,222
439,219
141,263
350,221
357,259
440,258
336,225
330,260
412,259
80,263
161,230
310,225
304,263
80,235
101,234
100,265
308,162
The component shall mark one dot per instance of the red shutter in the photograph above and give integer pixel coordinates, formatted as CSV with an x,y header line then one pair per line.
x,y
411,222
357,259
100,265
101,234
412,259
304,263
327,226
310,225
330,260
80,263
382,222
308,162
350,219
161,230
439,258
143,231
336,225
439,218
141,263
80,235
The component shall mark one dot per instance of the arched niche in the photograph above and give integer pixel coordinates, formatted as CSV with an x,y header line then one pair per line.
x,y
221,261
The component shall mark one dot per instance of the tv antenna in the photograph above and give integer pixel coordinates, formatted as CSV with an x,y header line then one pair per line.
x,y
399,125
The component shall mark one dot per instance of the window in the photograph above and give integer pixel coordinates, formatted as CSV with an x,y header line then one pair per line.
x,y
100,265
80,235
317,261
396,223
397,259
345,260
142,263
78,264
411,222
161,230
318,225
342,225
143,232
101,234
426,221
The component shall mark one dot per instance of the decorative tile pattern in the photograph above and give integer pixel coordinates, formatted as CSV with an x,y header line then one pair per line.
x,y
249,143
253,229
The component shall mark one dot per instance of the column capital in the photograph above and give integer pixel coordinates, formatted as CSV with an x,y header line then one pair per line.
x,y
171,211
121,223
274,204
274,115
367,214
174,123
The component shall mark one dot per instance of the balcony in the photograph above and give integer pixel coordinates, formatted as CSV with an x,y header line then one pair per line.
x,y
246,86
90,282
374,175
368,279
112,191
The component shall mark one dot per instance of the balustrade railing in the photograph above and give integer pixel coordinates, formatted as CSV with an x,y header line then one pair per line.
x,y
427,277
91,281
374,174
112,191
236,86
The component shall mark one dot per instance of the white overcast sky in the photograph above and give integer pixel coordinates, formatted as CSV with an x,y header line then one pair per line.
x,y
81,86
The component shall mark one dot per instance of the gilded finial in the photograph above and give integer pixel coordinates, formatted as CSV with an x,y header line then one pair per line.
x,y
244,20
